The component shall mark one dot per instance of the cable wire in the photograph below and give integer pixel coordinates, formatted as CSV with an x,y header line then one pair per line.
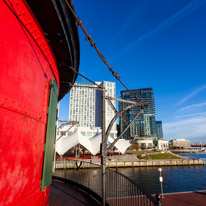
x,y
88,37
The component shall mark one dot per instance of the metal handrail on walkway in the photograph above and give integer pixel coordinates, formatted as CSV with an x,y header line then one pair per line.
x,y
120,190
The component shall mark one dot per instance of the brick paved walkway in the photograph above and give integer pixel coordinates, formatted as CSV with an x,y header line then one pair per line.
x,y
62,194
185,199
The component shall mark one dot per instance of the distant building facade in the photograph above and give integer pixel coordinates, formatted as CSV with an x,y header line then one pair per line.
x,y
159,131
85,131
179,143
161,144
82,104
151,143
110,88
85,105
143,142
145,124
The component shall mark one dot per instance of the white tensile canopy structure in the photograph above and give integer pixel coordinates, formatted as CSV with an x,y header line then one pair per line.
x,y
93,144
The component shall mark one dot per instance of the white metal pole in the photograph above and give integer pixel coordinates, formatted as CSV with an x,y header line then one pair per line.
x,y
161,180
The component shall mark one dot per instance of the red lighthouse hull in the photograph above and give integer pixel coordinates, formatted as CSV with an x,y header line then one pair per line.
x,y
27,66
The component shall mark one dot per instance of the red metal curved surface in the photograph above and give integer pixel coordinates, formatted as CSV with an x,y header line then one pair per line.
x,y
26,68
22,11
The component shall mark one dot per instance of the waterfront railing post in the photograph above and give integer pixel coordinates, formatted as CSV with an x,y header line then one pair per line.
x,y
103,151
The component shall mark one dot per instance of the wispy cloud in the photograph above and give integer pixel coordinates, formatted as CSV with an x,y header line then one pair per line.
x,y
192,94
190,7
189,128
192,107
199,114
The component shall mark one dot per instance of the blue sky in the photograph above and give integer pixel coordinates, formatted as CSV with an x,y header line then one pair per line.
x,y
159,44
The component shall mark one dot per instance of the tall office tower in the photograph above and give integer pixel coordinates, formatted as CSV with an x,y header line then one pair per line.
x,y
159,131
82,104
110,88
86,105
145,124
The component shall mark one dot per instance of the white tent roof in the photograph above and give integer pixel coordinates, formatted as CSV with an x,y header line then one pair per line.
x,y
121,144
92,144
96,141
64,143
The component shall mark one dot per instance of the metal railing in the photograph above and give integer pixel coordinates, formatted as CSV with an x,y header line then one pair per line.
x,y
120,190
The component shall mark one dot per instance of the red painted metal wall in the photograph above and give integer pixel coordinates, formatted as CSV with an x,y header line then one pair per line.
x,y
26,68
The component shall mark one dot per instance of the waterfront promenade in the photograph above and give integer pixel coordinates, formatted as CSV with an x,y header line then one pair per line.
x,y
197,198
128,162
62,194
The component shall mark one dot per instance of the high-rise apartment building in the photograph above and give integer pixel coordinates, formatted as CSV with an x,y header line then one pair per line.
x,y
145,124
159,131
86,105
82,104
110,88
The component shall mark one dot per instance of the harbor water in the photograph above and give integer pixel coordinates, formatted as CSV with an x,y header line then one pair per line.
x,y
175,178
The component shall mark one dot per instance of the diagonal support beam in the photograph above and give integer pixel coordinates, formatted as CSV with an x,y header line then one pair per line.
x,y
140,104
112,145
115,118
111,105
67,130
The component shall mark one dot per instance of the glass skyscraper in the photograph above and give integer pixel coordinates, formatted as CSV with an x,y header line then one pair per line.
x,y
159,131
145,124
